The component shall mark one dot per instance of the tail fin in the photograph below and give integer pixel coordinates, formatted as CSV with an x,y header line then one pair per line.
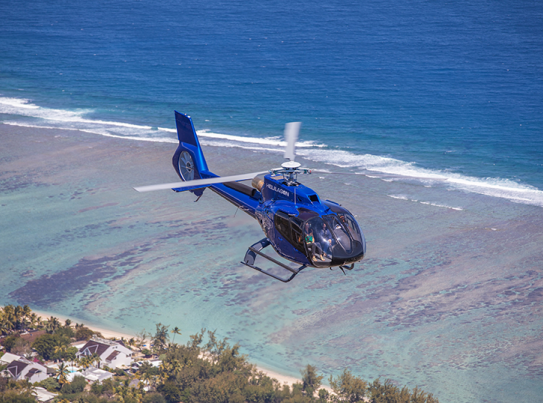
x,y
188,161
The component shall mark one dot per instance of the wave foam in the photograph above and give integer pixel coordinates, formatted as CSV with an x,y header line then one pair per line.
x,y
384,168
390,169
154,139
402,197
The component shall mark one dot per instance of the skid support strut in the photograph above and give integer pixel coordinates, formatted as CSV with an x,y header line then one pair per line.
x,y
255,249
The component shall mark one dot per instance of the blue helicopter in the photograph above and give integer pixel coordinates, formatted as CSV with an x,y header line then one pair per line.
x,y
298,224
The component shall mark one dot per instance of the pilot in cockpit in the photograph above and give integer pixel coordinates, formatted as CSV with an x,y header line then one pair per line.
x,y
312,246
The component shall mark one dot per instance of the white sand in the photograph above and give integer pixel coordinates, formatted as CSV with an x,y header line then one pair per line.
x,y
107,333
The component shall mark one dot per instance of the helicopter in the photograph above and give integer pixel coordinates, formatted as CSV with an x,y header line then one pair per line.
x,y
297,223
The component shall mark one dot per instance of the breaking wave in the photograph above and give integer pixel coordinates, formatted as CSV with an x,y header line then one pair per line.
x,y
374,166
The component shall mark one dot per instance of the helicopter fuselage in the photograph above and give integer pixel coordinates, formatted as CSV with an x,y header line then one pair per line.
x,y
299,225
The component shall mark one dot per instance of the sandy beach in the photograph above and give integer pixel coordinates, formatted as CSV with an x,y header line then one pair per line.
x,y
108,333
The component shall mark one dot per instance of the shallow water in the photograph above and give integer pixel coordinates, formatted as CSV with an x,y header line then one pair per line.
x,y
447,298
437,107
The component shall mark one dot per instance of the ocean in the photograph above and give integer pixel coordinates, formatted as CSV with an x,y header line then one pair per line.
x,y
438,107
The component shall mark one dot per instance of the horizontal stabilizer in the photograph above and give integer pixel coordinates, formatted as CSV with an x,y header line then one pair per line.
x,y
181,186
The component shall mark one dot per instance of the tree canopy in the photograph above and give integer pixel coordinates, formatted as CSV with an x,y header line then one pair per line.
x,y
205,369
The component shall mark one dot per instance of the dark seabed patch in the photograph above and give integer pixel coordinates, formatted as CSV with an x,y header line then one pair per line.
x,y
48,290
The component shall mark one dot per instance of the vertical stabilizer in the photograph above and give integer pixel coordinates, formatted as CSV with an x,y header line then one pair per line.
x,y
188,161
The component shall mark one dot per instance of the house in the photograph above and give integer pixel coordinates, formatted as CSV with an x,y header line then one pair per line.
x,y
137,365
7,358
43,395
111,353
95,375
24,369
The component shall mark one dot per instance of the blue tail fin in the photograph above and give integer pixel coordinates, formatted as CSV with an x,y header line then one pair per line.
x,y
188,161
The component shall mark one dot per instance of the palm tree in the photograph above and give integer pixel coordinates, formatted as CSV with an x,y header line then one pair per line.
x,y
9,310
175,331
33,318
141,338
95,359
5,322
8,319
26,316
62,373
52,324
18,316
160,339
84,361
26,310
61,350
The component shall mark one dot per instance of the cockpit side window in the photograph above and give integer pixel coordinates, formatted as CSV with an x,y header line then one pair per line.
x,y
350,223
319,241
290,229
339,231
282,224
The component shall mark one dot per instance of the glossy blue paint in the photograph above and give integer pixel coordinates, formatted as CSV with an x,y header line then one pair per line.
x,y
299,225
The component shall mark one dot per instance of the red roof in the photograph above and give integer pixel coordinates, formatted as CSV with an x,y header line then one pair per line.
x,y
94,347
112,356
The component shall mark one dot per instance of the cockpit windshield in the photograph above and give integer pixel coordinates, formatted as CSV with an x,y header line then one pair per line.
x,y
334,238
331,236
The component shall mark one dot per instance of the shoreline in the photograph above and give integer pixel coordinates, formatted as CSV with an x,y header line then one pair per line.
x,y
108,333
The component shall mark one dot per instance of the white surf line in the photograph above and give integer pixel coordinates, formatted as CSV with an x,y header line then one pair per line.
x,y
401,197
25,108
493,187
151,139
253,140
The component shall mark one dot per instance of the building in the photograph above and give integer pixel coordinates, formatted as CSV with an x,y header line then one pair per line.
x,y
137,365
24,369
43,396
112,354
95,375
7,358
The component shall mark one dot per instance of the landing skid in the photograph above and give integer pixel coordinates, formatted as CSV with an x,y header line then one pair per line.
x,y
345,267
254,250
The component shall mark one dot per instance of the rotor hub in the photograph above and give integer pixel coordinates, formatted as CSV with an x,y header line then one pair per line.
x,y
291,165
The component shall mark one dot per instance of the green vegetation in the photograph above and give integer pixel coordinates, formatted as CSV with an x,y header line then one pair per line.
x,y
16,318
15,391
83,333
51,384
76,386
205,370
211,370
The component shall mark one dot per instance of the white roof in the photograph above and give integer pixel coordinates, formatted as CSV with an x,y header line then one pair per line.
x,y
8,358
43,395
95,374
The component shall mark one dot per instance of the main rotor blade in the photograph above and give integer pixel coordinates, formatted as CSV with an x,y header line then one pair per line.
x,y
325,172
291,135
199,182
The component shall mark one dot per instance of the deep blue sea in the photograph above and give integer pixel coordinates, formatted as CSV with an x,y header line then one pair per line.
x,y
425,88
438,105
